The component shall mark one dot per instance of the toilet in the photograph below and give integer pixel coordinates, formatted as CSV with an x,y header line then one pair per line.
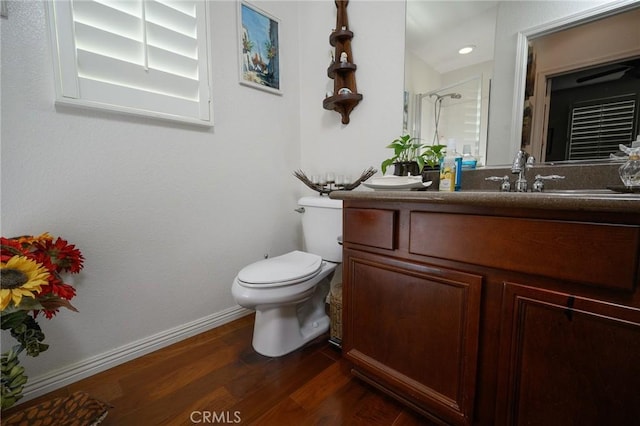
x,y
288,292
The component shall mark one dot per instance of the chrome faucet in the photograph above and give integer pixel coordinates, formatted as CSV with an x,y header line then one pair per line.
x,y
538,184
521,163
505,185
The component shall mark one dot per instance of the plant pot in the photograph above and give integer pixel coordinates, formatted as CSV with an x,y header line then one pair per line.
x,y
431,174
405,168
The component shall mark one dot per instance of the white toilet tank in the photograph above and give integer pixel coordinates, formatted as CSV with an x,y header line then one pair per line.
x,y
321,226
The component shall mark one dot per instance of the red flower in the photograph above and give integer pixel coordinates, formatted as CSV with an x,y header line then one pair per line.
x,y
57,287
10,247
64,256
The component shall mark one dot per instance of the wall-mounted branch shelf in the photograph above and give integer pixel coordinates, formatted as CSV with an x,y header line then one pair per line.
x,y
342,70
340,67
343,104
340,36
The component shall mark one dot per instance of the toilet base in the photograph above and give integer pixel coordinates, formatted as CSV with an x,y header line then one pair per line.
x,y
280,330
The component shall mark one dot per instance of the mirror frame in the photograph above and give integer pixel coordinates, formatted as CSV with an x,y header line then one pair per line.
x,y
523,37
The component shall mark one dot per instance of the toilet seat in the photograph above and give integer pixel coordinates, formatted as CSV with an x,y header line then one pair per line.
x,y
280,271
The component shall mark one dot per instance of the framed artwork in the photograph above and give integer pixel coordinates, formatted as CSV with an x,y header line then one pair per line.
x,y
259,48
405,114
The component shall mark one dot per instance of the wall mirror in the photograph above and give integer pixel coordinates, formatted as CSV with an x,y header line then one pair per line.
x,y
502,33
446,93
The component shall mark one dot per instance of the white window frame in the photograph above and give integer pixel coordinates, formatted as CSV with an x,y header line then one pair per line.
x,y
69,87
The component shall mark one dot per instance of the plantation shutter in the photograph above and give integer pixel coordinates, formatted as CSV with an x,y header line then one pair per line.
x,y
599,127
146,57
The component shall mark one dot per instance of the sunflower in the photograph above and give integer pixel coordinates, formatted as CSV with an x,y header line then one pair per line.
x,y
20,276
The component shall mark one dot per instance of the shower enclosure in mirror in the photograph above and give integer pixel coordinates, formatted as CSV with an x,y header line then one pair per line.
x,y
433,69
453,112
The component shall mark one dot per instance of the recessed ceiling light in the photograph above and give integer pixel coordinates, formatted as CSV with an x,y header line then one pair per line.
x,y
466,49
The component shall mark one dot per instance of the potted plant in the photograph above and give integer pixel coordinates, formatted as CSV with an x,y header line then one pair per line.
x,y
411,157
406,158
432,155
32,286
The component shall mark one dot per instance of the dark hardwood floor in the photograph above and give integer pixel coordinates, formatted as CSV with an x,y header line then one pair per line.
x,y
217,373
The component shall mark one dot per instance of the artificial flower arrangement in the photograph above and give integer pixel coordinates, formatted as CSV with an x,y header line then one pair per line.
x,y
30,285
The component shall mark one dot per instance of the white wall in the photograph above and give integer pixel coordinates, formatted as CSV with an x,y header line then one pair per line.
x,y
378,52
165,214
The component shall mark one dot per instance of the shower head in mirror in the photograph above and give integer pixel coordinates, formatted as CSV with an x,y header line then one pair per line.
x,y
448,95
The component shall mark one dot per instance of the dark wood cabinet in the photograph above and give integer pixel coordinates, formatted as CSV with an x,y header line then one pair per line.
x,y
567,360
422,345
474,315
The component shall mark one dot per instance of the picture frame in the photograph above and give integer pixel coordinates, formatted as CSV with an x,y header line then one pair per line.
x,y
258,48
405,113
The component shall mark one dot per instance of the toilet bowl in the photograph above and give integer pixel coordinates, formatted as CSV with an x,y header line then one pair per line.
x,y
288,292
290,307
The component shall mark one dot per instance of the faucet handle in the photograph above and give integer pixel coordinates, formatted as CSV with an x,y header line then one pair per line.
x,y
505,186
538,184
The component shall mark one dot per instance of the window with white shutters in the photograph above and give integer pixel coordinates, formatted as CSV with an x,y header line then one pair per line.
x,y
146,57
598,127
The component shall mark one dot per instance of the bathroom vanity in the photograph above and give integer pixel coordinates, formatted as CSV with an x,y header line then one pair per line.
x,y
494,308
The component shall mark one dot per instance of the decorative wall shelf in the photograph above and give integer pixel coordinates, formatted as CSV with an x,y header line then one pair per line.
x,y
341,67
340,36
342,70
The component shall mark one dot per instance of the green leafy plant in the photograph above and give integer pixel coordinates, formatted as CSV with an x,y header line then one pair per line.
x,y
407,149
433,154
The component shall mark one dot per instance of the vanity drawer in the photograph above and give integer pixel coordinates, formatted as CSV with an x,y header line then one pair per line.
x,y
371,227
600,254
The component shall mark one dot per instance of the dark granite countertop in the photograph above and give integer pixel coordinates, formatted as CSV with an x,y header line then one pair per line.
x,y
479,192
596,202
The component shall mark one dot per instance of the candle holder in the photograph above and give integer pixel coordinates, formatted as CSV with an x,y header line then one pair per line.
x,y
331,185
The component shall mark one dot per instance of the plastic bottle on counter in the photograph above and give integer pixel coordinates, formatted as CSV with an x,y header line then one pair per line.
x,y
451,169
469,162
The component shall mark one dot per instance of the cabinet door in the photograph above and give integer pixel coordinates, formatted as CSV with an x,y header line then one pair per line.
x,y
567,360
413,329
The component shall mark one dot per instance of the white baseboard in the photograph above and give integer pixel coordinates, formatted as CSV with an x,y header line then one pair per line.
x,y
56,379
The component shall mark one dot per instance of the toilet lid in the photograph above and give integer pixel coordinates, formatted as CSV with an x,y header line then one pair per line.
x,y
290,268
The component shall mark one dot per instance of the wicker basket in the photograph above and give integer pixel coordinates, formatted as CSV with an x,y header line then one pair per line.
x,y
335,303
